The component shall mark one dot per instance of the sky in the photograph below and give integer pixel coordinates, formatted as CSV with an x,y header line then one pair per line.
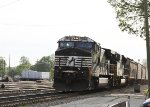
x,y
32,28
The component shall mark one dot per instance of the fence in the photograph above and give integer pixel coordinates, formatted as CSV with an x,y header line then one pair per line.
x,y
122,104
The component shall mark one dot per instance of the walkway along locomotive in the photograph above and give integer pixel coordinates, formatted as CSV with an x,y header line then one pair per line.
x,y
82,64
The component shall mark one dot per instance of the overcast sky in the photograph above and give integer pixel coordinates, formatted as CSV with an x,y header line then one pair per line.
x,y
32,28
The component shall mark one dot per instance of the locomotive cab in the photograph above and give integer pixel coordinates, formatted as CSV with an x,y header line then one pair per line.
x,y
73,63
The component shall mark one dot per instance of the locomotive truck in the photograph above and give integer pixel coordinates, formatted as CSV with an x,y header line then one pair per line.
x,y
82,64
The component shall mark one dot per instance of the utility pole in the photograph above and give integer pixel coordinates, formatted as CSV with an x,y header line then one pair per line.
x,y
9,63
9,67
4,64
147,42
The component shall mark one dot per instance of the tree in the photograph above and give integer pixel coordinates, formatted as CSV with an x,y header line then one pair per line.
x,y
133,17
2,66
24,60
41,66
130,15
45,64
24,65
11,71
144,62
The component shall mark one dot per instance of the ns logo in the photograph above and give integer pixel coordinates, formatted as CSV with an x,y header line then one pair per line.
x,y
70,61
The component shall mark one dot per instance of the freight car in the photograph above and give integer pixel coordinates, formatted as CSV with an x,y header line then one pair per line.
x,y
34,75
82,64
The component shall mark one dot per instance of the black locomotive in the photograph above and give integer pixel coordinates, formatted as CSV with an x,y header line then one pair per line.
x,y
82,64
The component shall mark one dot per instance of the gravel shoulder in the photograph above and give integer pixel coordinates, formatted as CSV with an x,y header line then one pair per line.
x,y
100,99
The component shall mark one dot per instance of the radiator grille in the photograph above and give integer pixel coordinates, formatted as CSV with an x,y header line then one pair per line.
x,y
74,61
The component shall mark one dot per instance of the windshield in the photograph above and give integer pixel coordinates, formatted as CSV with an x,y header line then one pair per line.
x,y
66,44
81,45
84,45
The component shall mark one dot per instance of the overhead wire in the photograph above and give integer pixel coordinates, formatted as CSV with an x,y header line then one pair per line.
x,y
23,25
10,3
31,25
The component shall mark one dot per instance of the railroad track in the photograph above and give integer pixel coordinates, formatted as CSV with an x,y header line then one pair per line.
x,y
21,92
31,98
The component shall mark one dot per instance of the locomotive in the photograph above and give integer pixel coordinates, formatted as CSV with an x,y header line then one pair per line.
x,y
82,64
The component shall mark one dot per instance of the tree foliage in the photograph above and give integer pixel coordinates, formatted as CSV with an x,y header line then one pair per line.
x,y
41,66
130,15
2,66
144,62
11,71
45,64
24,65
